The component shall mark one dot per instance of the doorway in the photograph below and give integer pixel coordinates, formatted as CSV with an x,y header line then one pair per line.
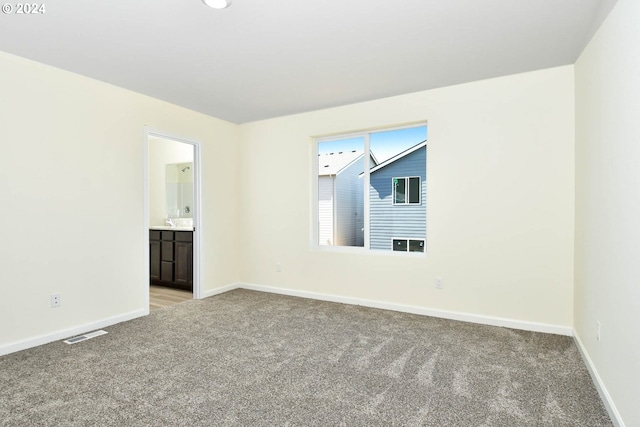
x,y
172,219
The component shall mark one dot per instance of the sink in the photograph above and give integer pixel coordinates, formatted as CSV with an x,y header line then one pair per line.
x,y
179,224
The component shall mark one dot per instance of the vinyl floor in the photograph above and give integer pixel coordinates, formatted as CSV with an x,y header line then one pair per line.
x,y
161,297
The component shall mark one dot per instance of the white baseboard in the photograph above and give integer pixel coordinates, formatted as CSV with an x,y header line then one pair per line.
x,y
70,332
87,327
223,289
465,317
602,390
452,315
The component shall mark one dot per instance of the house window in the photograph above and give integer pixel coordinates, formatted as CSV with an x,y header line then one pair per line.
x,y
406,190
408,245
354,204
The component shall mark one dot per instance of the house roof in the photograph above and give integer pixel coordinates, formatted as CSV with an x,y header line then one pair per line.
x,y
334,162
399,156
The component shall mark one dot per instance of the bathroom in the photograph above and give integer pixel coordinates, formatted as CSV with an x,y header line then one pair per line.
x,y
171,214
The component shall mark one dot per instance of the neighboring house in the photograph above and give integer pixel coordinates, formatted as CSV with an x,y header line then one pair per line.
x,y
398,190
341,198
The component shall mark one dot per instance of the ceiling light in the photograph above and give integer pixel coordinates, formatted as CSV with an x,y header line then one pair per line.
x,y
217,4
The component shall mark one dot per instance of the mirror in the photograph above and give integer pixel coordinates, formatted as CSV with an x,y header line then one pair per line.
x,y
179,184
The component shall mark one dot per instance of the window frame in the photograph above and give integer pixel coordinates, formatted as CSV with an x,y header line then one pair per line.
x,y
407,190
409,240
315,141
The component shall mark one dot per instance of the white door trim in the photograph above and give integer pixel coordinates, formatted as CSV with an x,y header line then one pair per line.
x,y
197,211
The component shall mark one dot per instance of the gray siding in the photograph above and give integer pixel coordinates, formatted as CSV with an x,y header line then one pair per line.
x,y
388,221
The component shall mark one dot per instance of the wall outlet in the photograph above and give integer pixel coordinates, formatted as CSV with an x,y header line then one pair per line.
x,y
438,282
56,300
597,330
278,267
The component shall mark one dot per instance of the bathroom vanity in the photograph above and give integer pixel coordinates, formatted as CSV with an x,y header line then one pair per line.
x,y
171,257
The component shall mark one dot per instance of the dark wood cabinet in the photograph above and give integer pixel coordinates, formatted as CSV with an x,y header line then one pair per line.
x,y
183,267
154,255
171,258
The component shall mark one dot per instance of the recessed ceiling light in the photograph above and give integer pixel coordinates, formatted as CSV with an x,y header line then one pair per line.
x,y
217,4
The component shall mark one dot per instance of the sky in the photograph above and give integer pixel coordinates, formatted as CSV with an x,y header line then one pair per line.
x,y
383,144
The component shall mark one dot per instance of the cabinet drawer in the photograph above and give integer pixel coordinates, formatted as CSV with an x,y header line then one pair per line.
x,y
184,236
167,251
167,235
154,235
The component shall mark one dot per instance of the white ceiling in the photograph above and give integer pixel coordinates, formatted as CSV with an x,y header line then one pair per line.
x,y
260,59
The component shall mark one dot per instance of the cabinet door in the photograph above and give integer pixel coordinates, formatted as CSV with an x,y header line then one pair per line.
x,y
184,264
167,251
166,271
154,261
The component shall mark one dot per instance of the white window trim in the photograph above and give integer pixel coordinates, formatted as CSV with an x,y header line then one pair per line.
x,y
407,180
418,239
314,219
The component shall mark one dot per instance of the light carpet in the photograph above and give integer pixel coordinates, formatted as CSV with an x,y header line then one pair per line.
x,y
247,358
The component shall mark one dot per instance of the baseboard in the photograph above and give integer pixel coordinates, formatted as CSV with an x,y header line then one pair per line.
x,y
223,289
70,332
88,327
602,390
465,317
452,315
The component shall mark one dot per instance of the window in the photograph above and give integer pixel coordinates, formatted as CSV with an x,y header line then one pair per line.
x,y
408,245
354,204
400,245
406,191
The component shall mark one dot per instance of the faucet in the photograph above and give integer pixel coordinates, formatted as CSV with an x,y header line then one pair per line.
x,y
170,222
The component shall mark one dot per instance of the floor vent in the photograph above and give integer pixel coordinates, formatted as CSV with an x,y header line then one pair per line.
x,y
85,337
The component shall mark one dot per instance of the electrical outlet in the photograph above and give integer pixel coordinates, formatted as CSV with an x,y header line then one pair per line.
x,y
56,300
278,268
438,282
597,330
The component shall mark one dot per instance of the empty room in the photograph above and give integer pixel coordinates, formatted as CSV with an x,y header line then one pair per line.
x,y
414,213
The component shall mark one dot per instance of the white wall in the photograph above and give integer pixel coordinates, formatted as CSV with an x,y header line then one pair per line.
x,y
161,153
72,213
500,201
607,264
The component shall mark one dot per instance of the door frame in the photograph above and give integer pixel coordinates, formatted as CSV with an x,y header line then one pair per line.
x,y
197,208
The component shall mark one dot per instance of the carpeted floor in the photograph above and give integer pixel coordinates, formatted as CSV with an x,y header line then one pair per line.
x,y
248,358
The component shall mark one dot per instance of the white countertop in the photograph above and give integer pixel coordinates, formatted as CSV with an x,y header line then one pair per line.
x,y
168,227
